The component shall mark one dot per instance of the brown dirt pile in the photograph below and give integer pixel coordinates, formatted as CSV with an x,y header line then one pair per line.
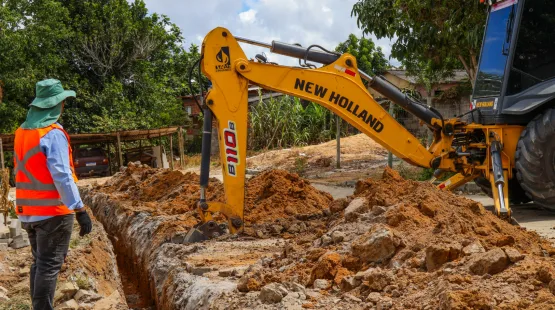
x,y
399,244
274,196
278,194
353,148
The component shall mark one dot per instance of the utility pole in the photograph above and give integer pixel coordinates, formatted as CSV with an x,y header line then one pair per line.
x,y
338,140
389,154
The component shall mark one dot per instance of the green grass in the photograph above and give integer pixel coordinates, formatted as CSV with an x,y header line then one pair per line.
x,y
83,282
16,303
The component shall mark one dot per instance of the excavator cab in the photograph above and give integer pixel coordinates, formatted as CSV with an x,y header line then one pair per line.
x,y
516,72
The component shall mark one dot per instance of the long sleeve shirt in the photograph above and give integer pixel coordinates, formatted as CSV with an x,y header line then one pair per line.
x,y
54,146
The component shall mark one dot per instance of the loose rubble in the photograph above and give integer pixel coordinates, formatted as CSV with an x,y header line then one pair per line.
x,y
395,244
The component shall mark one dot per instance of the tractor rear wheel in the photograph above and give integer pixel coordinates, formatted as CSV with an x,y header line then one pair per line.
x,y
535,159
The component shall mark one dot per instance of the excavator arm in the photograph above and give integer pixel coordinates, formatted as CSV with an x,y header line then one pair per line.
x,y
336,86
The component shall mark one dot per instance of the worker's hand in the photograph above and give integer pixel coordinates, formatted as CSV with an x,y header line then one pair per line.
x,y
84,222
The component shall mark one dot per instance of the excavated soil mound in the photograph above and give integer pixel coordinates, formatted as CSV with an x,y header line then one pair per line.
x,y
278,194
271,197
398,244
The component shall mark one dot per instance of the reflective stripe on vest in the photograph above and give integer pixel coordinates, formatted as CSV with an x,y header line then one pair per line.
x,y
36,193
35,184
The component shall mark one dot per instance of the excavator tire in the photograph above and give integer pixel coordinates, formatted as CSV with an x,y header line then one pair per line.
x,y
516,194
535,159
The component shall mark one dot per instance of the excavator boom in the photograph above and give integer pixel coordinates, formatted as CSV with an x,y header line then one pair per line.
x,y
336,86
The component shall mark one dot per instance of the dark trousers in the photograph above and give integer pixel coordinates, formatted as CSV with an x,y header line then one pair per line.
x,y
49,243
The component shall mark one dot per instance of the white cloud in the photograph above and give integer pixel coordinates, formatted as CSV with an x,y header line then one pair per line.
x,y
322,22
248,17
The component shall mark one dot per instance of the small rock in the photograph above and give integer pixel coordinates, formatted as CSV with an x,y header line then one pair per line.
x,y
373,297
552,287
491,262
3,246
295,287
83,296
349,283
260,234
68,305
377,279
224,273
505,240
277,229
326,240
3,290
272,293
384,303
429,208
337,236
295,228
338,205
313,294
377,245
513,254
473,248
4,296
68,289
439,254
199,271
351,298
545,274
377,210
357,206
24,271
321,284
395,293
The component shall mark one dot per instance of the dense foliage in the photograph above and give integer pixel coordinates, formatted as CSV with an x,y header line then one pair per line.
x,y
370,58
435,30
128,67
286,121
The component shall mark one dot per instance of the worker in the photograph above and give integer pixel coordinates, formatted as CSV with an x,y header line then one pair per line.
x,y
47,199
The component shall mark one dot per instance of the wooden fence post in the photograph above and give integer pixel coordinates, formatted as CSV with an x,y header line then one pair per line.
x,y
2,153
120,157
181,147
171,151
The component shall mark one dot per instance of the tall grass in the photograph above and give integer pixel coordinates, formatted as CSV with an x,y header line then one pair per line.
x,y
281,122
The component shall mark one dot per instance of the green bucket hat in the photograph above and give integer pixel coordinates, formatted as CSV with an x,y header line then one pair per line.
x,y
46,108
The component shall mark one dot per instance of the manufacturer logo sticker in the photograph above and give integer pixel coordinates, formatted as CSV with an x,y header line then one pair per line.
x,y
223,59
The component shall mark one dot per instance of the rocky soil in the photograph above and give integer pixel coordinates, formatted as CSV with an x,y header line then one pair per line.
x,y
394,244
89,278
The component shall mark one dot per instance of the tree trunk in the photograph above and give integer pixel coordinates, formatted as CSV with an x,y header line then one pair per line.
x,y
470,68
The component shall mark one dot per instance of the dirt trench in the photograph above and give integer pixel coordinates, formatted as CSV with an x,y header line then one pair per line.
x,y
146,212
394,244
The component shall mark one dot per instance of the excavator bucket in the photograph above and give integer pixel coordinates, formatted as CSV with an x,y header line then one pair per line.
x,y
204,232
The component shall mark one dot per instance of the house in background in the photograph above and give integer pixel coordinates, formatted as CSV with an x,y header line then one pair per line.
x,y
452,97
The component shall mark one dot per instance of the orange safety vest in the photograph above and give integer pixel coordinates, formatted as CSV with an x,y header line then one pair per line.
x,y
35,191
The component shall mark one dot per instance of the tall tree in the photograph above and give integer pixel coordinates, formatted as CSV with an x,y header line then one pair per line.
x,y
370,58
433,30
127,66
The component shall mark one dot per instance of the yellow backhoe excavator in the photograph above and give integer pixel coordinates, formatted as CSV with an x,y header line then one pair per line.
x,y
506,142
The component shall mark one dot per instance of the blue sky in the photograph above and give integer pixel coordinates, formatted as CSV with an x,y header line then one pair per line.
x,y
323,22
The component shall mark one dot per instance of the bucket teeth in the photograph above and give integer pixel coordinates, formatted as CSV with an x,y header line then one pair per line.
x,y
204,232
